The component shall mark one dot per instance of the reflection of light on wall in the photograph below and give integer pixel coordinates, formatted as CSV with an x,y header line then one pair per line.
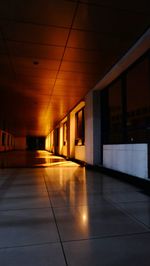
x,y
61,140
52,141
72,127
84,217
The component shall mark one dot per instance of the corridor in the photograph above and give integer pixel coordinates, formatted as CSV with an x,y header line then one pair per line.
x,y
56,212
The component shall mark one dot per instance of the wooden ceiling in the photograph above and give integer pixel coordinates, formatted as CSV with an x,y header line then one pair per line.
x,y
52,52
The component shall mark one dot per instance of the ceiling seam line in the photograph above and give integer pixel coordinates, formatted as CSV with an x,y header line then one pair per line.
x,y
109,7
73,19
8,55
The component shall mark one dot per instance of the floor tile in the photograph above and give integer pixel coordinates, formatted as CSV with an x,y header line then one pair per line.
x,y
42,255
139,210
23,227
64,199
12,203
86,222
101,219
116,251
128,196
11,191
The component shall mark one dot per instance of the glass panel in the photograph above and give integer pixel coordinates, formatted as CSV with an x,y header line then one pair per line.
x,y
138,103
112,114
79,140
3,138
115,113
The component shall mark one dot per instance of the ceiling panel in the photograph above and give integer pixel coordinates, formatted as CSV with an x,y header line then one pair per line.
x,y
26,32
91,40
35,65
37,87
52,54
36,80
35,73
3,49
62,106
71,75
4,60
82,55
5,69
69,91
58,12
35,51
80,67
105,20
69,83
134,5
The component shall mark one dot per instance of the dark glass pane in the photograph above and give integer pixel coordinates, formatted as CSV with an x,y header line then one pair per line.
x,y
3,138
138,102
112,114
115,113
79,140
8,139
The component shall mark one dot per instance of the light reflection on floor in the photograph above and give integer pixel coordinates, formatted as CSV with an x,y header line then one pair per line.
x,y
38,158
64,212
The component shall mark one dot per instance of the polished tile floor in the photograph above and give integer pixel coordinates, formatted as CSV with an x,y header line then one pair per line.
x,y
62,214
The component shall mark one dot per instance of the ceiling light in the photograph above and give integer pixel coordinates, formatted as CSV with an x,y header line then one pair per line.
x,y
35,62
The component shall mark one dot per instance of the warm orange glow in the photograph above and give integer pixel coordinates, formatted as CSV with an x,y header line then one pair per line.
x,y
84,217
51,160
61,163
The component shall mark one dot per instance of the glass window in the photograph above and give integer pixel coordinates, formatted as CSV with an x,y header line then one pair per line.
x,y
112,114
115,113
138,102
8,138
79,134
125,106
3,138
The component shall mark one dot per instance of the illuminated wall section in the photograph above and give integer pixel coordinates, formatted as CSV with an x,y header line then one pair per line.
x,y
52,141
20,143
63,142
47,143
66,134
76,152
6,141
61,139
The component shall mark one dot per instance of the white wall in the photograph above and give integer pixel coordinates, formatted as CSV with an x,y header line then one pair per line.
x,y
64,153
127,158
20,143
61,140
74,150
72,134
80,153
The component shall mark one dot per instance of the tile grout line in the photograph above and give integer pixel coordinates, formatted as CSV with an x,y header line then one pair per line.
x,y
28,245
114,204
61,243
105,237
24,209
75,240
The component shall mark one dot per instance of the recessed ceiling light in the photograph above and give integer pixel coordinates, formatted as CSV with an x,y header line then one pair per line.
x,y
35,62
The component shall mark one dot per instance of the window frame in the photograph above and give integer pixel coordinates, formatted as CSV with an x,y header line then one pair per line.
x,y
79,138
